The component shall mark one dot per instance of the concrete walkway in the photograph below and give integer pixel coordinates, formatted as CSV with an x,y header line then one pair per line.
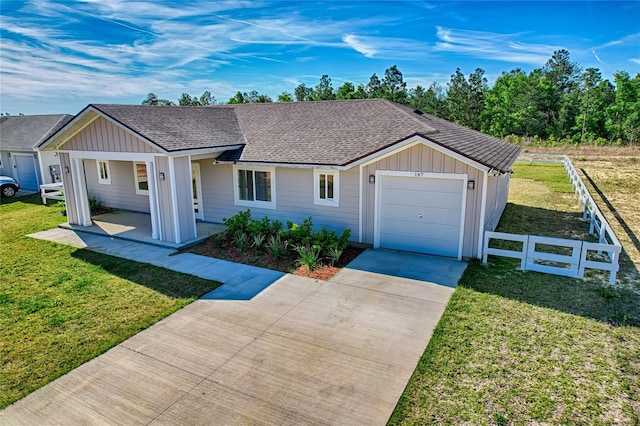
x,y
300,352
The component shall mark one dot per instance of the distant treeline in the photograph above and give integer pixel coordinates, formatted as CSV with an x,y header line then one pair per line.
x,y
559,102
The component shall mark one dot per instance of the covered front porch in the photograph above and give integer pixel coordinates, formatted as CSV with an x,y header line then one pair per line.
x,y
136,226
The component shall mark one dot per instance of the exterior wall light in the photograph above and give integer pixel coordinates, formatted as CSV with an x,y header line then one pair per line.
x,y
161,175
471,185
372,178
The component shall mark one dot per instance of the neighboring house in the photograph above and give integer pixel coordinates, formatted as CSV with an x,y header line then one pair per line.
x,y
396,177
20,136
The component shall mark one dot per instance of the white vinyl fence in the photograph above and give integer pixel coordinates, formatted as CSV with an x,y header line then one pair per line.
x,y
563,256
51,191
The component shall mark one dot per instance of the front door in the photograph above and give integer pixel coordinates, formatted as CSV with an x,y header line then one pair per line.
x,y
197,191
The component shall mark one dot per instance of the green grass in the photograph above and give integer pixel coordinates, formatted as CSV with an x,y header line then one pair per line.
x,y
61,306
527,348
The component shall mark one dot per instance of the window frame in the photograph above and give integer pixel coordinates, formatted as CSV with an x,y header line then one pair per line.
x,y
330,202
136,179
101,180
255,203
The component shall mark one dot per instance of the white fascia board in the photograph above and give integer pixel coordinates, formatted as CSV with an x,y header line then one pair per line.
x,y
285,165
115,156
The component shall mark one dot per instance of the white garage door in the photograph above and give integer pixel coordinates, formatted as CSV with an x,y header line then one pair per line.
x,y
421,214
26,171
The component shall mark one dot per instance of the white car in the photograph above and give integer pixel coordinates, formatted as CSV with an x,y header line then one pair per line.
x,y
8,186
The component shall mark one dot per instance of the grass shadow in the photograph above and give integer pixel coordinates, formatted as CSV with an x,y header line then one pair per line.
x,y
592,298
170,283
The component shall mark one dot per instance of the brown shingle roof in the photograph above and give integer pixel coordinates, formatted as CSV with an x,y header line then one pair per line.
x,y
335,133
178,128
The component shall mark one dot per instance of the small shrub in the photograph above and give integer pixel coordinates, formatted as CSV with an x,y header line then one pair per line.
x,y
299,235
276,246
241,241
308,256
238,223
219,239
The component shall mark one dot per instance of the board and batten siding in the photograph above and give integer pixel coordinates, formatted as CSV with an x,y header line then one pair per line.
x,y
421,158
104,136
69,189
184,196
121,194
165,199
48,158
294,198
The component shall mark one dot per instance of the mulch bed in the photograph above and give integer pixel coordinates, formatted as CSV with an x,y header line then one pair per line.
x,y
264,260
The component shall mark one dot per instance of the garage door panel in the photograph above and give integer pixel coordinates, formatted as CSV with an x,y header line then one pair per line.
x,y
429,215
27,175
420,214
416,244
422,198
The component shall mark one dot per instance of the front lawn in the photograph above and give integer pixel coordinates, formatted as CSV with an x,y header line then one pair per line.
x,y
527,348
61,306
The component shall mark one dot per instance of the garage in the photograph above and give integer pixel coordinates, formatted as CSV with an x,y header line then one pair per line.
x,y
421,212
26,174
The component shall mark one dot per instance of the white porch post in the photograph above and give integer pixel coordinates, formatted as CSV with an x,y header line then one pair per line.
x,y
82,199
174,200
153,199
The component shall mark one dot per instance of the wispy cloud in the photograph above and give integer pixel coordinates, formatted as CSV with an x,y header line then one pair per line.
x,y
635,60
358,45
596,56
493,46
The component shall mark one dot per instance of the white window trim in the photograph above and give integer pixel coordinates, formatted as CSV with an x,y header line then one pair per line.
x,y
137,181
106,181
259,204
335,201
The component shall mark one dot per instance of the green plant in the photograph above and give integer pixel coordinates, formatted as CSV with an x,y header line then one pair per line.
x,y
94,203
276,246
308,256
334,253
219,239
298,235
238,222
241,241
258,240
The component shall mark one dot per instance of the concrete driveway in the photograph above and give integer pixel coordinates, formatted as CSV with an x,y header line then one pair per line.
x,y
300,352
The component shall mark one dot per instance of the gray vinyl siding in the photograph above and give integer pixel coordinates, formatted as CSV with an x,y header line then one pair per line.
x,y
497,195
421,158
6,169
294,197
69,193
182,168
165,200
48,158
104,136
121,194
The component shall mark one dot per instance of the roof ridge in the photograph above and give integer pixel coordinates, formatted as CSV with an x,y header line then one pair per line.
x,y
48,132
402,109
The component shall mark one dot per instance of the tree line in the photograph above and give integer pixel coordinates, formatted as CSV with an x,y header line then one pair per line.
x,y
557,102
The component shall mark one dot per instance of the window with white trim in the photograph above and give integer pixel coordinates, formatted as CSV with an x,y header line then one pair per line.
x,y
254,186
326,189
104,173
141,178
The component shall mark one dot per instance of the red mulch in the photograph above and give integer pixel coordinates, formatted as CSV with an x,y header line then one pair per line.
x,y
263,260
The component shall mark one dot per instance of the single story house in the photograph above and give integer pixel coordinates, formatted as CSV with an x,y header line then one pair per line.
x,y
398,178
20,136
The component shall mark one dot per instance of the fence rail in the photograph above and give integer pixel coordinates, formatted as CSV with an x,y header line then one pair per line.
x,y
572,265
52,191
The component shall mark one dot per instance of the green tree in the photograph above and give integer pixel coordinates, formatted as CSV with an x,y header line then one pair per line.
x,y
238,98
152,99
623,117
393,87
303,93
324,89
432,101
346,91
374,87
285,97
207,98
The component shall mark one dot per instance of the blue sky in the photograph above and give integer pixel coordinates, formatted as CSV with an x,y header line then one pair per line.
x,y
59,56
